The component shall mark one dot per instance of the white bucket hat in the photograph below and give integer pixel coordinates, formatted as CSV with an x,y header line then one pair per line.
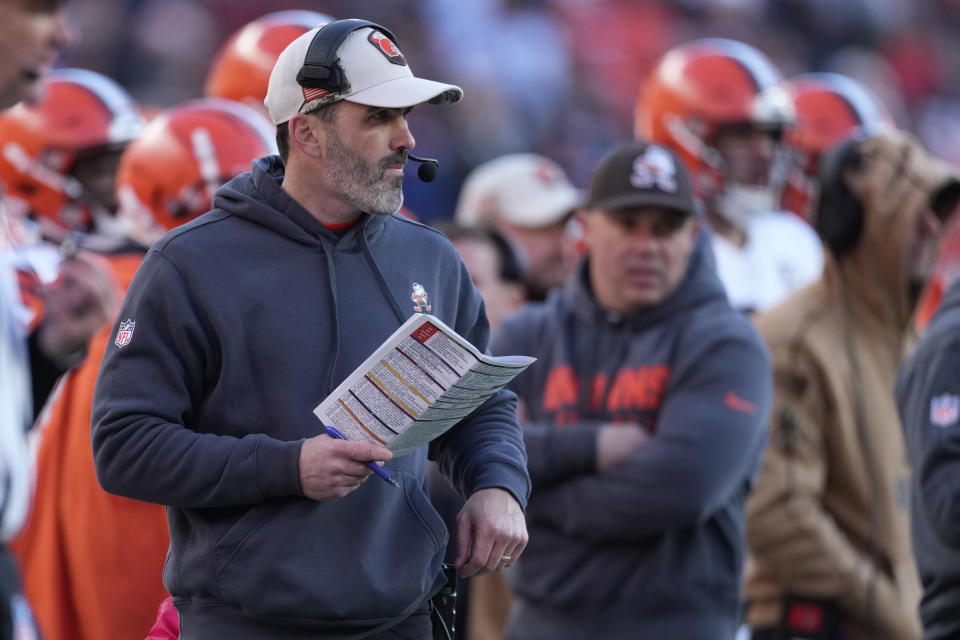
x,y
375,71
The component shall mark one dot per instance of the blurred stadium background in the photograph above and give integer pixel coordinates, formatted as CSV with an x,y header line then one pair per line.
x,y
558,77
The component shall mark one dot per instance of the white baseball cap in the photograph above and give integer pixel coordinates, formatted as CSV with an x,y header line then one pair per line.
x,y
523,189
376,74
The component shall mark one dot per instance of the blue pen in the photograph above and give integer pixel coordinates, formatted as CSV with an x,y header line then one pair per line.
x,y
333,432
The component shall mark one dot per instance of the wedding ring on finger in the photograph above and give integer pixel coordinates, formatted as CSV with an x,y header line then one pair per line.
x,y
505,558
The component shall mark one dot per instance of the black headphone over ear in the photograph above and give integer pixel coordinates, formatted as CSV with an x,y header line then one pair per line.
x,y
839,218
512,268
321,69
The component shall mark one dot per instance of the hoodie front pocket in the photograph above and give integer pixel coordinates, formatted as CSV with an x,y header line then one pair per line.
x,y
370,555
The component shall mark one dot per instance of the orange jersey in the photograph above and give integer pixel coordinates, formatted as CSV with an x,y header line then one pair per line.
x,y
948,266
91,561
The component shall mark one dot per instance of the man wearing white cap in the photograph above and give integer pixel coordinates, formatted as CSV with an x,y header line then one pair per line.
x,y
238,324
529,199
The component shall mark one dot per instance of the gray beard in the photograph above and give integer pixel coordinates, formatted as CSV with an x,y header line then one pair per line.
x,y
384,203
360,183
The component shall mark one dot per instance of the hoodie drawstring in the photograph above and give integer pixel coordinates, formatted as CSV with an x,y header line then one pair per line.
x,y
331,274
384,287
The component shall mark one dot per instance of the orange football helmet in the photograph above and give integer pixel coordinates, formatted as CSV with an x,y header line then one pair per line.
x,y
699,87
168,175
82,113
242,66
830,108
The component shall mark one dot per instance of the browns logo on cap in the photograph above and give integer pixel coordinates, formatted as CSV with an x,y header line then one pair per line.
x,y
639,174
387,47
372,71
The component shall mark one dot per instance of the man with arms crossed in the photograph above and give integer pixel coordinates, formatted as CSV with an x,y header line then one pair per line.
x,y
644,422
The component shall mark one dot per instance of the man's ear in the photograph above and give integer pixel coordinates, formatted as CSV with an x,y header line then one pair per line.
x,y
307,134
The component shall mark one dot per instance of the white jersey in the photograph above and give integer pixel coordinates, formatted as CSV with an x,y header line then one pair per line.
x,y
782,254
15,404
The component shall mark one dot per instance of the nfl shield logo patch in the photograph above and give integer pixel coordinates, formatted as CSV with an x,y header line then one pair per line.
x,y
124,333
945,410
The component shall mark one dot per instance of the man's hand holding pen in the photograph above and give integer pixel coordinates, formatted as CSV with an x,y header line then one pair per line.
x,y
331,468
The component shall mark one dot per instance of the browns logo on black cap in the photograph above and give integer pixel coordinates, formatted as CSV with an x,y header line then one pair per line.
x,y
641,174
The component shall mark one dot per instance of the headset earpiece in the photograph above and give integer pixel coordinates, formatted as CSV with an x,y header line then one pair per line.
x,y
839,218
321,68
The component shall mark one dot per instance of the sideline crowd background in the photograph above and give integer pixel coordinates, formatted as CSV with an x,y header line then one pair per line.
x,y
556,77
559,78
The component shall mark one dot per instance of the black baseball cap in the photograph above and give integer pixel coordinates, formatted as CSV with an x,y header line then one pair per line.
x,y
641,174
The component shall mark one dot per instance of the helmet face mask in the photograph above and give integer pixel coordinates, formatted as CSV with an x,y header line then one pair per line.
x,y
772,109
96,170
706,89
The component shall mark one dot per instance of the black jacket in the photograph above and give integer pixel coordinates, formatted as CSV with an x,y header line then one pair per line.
x,y
928,398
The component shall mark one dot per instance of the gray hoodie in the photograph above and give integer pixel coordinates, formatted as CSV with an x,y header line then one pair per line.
x,y
235,327
654,547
